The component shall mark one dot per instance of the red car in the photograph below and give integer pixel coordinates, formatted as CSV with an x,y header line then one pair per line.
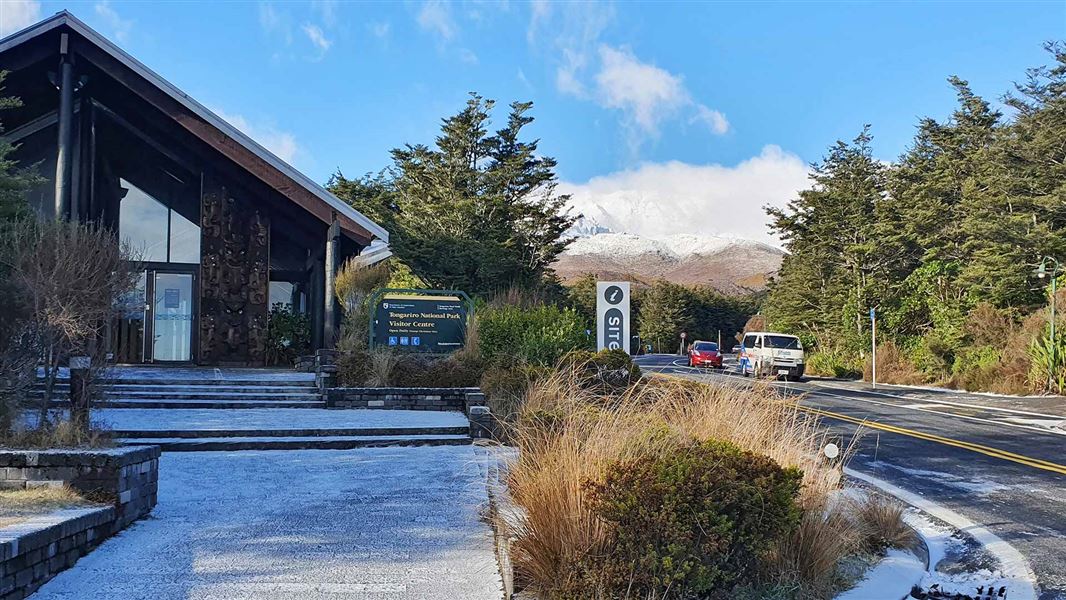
x,y
704,354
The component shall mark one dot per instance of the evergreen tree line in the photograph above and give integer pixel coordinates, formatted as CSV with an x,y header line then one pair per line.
x,y
662,311
479,212
945,243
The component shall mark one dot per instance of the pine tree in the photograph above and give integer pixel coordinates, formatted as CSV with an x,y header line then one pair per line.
x,y
478,213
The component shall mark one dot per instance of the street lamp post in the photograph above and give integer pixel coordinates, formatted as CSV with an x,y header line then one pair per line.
x,y
1042,272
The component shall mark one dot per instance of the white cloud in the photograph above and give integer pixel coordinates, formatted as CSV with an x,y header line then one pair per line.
x,y
18,14
120,28
282,143
660,199
436,17
613,77
318,39
271,21
647,96
381,30
645,93
714,120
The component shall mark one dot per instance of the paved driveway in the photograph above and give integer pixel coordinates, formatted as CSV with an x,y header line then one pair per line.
x,y
382,523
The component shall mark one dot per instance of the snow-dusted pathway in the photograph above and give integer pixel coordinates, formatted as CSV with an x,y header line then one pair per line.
x,y
381,523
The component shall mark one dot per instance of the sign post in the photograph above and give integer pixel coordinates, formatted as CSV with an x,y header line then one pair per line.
x,y
419,320
681,349
873,343
612,315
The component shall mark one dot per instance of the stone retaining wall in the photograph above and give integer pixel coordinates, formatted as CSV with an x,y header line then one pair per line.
x,y
400,398
125,477
35,550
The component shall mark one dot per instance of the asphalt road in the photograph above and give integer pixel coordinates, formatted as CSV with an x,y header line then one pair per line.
x,y
999,462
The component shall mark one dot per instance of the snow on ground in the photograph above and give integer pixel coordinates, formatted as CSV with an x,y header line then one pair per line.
x,y
381,523
889,579
271,418
944,543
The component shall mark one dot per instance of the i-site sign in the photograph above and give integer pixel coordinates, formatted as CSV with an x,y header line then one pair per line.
x,y
612,315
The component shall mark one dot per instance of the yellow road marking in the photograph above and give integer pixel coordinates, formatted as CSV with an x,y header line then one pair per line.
x,y
1035,463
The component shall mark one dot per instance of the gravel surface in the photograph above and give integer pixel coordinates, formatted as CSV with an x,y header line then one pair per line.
x,y
376,523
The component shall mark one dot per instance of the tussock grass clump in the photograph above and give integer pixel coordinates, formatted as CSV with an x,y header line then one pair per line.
x,y
19,505
60,433
882,524
568,436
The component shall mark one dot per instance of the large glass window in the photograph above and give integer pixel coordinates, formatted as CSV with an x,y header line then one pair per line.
x,y
154,230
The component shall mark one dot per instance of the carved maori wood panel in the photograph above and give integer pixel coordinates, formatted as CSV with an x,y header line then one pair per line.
x,y
234,277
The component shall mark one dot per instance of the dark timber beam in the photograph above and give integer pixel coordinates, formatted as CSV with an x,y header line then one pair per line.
x,y
333,243
65,157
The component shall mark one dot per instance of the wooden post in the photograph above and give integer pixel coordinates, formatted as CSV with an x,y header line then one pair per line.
x,y
329,335
65,156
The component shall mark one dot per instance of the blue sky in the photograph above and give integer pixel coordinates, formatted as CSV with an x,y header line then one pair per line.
x,y
730,96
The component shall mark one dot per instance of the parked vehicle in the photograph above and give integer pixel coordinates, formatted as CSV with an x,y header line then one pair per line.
x,y
704,354
768,354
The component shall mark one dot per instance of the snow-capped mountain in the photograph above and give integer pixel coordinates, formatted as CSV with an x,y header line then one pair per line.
x,y
731,265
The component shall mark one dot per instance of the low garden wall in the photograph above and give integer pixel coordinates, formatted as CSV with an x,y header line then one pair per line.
x,y
469,401
34,551
400,398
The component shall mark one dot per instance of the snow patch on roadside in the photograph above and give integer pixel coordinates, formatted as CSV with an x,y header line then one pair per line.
x,y
943,542
1013,570
898,570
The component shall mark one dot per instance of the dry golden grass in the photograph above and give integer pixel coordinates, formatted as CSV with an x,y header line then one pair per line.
x,y
566,436
57,434
19,505
381,365
882,523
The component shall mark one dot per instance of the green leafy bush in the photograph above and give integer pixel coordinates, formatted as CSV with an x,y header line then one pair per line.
x,y
288,335
688,521
538,335
834,363
1048,363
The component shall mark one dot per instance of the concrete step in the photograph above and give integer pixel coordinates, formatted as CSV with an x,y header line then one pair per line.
x,y
130,435
261,389
213,404
176,394
124,381
295,443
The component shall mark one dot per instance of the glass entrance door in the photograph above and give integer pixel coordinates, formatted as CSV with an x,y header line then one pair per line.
x,y
172,316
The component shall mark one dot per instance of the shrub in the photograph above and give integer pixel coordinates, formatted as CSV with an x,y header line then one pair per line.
x,y
539,335
976,368
421,370
69,277
834,363
288,335
568,435
606,370
893,366
688,521
505,387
